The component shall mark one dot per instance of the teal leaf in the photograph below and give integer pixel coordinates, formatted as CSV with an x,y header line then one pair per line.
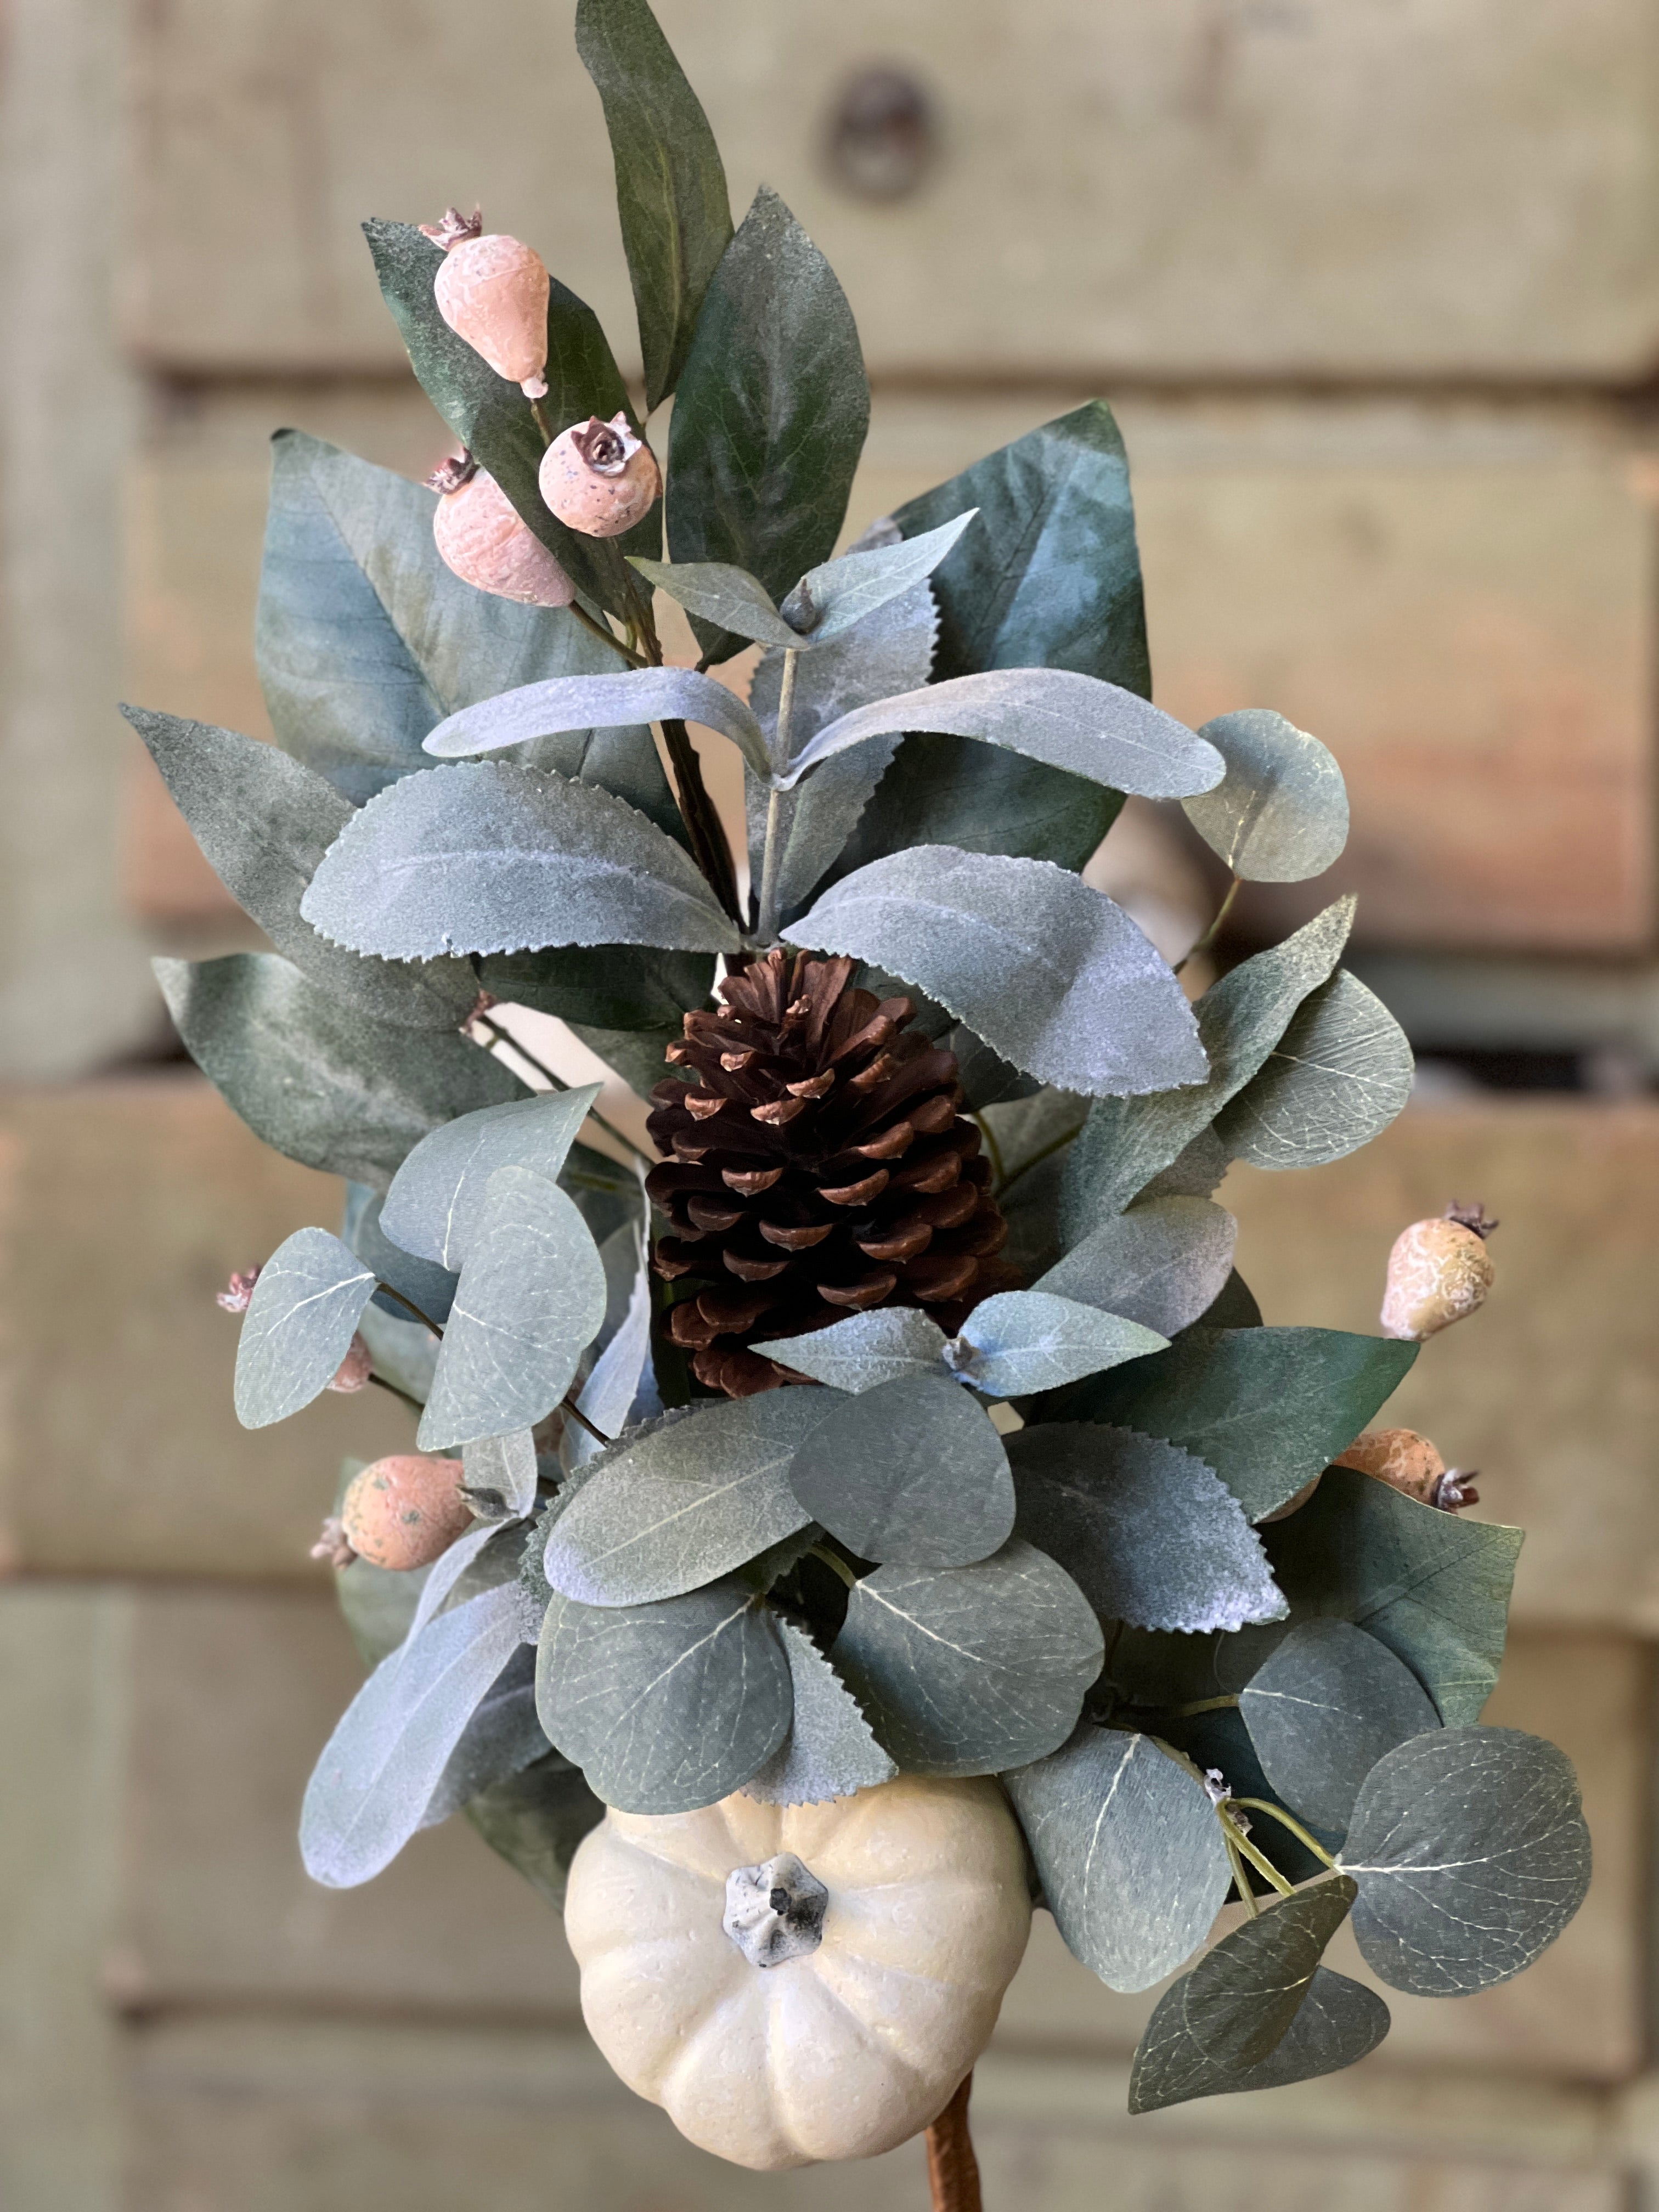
x,y
536,1819
841,595
529,1302
911,1472
442,1578
616,1393
1338,2023
503,1737
866,1350
1265,1408
438,1196
298,1326
1021,1341
1336,1078
323,1083
500,1475
606,986
829,1751
428,1288
635,1055
1163,1263
771,413
982,799
1128,1851
970,1670
1150,1533
1027,1132
607,700
666,1707
1051,974
724,598
405,1351
1280,813
1325,1707
486,859
1470,1853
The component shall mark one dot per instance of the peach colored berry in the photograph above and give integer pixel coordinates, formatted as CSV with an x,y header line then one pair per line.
x,y
1439,1271
353,1370
1410,1464
482,537
1292,1505
493,291
600,478
402,1511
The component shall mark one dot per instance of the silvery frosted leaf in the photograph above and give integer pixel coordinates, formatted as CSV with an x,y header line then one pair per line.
x,y
501,1739
911,1471
667,1707
1018,1342
500,1475
693,1497
1326,1704
1051,974
1054,715
1338,2023
378,1772
377,1603
404,1353
829,1751
439,1582
576,703
1198,1168
1280,813
1128,1851
529,1302
1336,1079
864,1350
1152,1534
422,1282
718,592
487,859
813,822
970,1670
1470,1853
1163,1263
1124,1143
437,1196
893,652
304,1310
611,1396
840,595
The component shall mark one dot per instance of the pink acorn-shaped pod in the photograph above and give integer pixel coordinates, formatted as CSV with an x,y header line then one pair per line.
x,y
401,1512
600,478
492,290
482,537
1439,1271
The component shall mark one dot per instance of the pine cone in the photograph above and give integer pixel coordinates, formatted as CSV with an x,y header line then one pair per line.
x,y
818,1168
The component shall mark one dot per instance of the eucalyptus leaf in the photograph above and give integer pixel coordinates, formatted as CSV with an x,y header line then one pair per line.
x,y
611,1396
1019,1341
1026,1132
318,1081
439,1583
970,1670
488,858
866,1350
377,1603
298,1326
1128,1851
535,1821
501,1739
1198,1168
1164,1263
429,1288
607,700
1280,813
1153,1537
1328,1704
1336,1078
982,799
500,1475
723,597
911,1471
404,1353
1338,2023
530,1301
829,1751
841,595
1051,974
629,1692
438,1196
1470,1853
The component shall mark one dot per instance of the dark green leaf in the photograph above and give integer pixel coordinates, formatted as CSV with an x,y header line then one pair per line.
x,y
500,1740
1336,1079
1280,814
535,1819
953,791
437,1197
1329,1701
306,1306
607,987
912,1471
1339,2022
829,1750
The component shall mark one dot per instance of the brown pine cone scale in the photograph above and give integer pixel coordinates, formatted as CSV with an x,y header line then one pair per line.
x,y
818,1166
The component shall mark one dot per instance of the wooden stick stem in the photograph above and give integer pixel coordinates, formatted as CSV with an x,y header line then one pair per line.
x,y
952,2169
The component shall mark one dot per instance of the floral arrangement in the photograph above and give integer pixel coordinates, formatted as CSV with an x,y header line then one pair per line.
x,y
885,1508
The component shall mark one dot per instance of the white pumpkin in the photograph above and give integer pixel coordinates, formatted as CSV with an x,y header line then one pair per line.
x,y
794,1983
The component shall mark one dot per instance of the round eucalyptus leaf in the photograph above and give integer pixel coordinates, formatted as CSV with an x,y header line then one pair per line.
x,y
304,1310
1339,2022
1280,813
1326,1706
911,1472
1336,1078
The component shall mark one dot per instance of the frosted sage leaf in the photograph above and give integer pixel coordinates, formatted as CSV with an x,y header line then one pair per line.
x,y
1124,1143
1470,1853
438,1195
1280,813
1336,1079
829,1751
610,1397
911,1471
603,702
970,1670
1198,1168
865,1350
1053,715
689,1500
1151,1535
317,1080
378,1772
500,1475
307,1304
439,1582
1328,1704
671,187
839,595
1021,1341
487,859
667,1707
536,1819
529,1302
1128,1851
427,1287
1051,974
1265,1408
501,1739
1163,1263
718,594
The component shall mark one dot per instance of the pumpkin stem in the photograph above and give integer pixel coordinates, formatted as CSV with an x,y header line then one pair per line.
x,y
952,2169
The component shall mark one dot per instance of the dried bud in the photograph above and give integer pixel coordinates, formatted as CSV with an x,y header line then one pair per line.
x,y
331,1544
239,1293
492,292
402,1511
600,478
454,228
1410,1464
480,535
353,1371
1439,1271
449,475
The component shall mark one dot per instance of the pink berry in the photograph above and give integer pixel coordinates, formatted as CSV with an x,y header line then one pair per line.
x,y
481,536
493,291
402,1511
353,1371
600,478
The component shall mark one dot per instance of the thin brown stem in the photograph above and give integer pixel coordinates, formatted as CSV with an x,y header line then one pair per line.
x,y
425,1319
500,1035
381,1383
952,2169
709,847
580,1418
1211,934
542,423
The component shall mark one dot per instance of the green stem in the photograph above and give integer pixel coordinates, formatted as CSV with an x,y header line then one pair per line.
x,y
1241,1880
542,423
839,1567
1200,1705
1278,1812
608,636
1240,1842
425,1318
1214,929
987,1136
